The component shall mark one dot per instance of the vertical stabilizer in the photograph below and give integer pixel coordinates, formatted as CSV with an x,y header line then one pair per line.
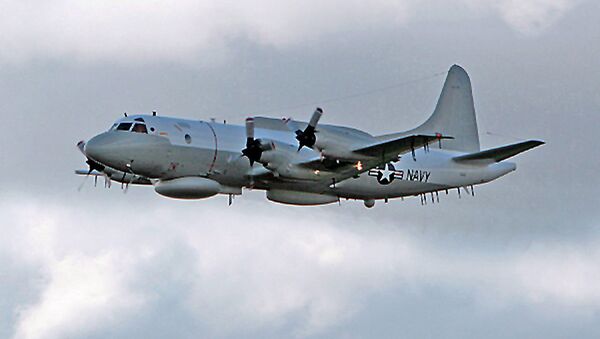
x,y
454,114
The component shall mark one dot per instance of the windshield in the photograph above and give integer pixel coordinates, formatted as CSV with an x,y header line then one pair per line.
x,y
139,128
124,126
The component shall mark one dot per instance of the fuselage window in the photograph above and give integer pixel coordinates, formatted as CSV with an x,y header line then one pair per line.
x,y
140,128
124,126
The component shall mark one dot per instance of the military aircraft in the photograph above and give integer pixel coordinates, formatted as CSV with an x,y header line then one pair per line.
x,y
302,163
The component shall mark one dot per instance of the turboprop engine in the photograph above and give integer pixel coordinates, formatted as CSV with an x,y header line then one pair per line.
x,y
275,156
188,188
330,141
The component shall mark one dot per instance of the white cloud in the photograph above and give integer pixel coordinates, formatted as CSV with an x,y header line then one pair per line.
x,y
79,292
533,16
561,274
236,273
201,31
83,294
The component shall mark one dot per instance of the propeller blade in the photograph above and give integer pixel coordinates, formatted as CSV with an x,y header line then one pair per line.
x,y
314,120
129,183
307,137
249,130
83,183
253,149
107,180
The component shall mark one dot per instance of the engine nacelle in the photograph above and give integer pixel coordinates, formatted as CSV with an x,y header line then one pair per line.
x,y
300,198
188,188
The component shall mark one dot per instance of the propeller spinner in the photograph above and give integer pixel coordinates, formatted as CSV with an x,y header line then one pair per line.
x,y
307,137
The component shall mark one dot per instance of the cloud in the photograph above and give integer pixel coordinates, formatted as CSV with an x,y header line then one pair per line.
x,y
203,31
533,16
529,17
88,292
276,271
191,31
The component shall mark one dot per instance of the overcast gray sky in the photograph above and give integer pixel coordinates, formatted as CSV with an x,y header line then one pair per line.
x,y
520,259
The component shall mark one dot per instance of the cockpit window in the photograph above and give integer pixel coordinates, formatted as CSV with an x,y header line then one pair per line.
x,y
139,119
124,126
112,128
140,128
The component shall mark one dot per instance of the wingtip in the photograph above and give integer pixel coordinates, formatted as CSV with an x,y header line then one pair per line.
x,y
537,142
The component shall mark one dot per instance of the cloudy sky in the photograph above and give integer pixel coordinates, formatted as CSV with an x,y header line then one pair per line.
x,y
520,259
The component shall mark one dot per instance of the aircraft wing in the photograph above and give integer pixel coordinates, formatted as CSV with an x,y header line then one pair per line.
x,y
500,153
372,155
343,152
390,149
380,152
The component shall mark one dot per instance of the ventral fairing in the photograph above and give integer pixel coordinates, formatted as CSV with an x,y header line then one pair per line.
x,y
302,163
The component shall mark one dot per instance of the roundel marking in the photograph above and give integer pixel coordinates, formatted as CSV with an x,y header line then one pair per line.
x,y
385,175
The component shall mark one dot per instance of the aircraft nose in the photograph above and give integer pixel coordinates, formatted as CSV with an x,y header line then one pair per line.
x,y
100,147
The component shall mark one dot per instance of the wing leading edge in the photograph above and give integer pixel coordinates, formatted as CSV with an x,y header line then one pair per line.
x,y
390,149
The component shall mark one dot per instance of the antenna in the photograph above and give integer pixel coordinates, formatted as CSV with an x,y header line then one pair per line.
x,y
125,114
153,113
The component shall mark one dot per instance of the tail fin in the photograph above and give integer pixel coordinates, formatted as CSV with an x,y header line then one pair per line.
x,y
454,115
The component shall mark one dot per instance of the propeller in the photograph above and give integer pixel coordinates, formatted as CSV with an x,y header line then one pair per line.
x,y
307,137
254,149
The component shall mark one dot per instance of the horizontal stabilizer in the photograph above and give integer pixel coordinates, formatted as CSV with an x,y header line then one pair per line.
x,y
500,153
398,146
